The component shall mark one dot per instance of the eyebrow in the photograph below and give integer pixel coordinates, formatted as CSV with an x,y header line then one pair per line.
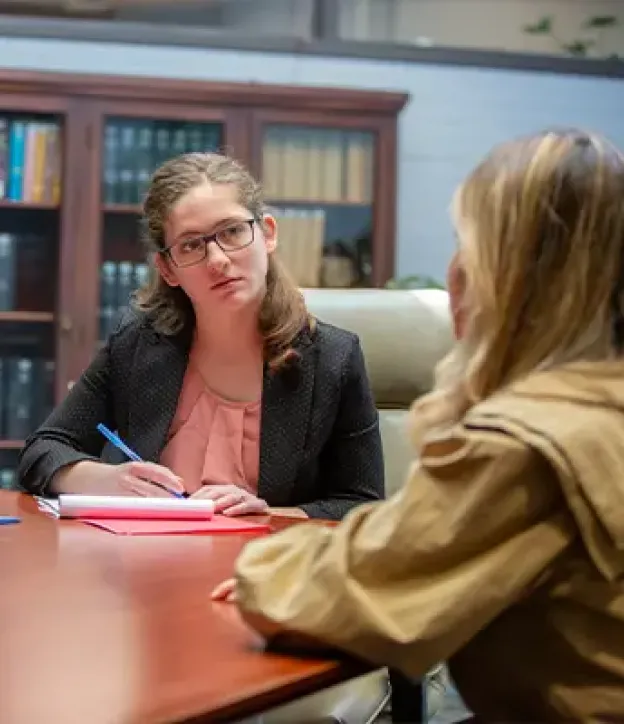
x,y
216,227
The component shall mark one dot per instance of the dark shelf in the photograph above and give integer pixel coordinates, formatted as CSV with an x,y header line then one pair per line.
x,y
30,205
17,316
121,209
11,444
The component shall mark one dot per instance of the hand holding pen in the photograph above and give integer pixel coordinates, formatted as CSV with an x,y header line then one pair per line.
x,y
141,477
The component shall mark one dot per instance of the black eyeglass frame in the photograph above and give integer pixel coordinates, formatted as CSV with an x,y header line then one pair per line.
x,y
208,239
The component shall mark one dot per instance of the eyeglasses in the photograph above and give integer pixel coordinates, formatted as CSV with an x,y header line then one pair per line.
x,y
233,238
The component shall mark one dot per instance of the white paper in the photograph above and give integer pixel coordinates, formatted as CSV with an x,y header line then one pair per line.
x,y
48,505
108,506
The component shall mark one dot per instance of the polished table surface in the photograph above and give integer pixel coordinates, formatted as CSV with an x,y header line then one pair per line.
x,y
103,628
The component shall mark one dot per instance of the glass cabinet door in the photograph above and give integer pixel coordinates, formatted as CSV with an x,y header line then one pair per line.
x,y
132,149
31,151
319,183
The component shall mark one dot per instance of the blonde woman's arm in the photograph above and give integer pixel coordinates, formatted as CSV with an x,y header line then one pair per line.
x,y
407,582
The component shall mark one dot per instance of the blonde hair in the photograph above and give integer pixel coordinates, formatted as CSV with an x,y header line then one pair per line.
x,y
541,245
283,314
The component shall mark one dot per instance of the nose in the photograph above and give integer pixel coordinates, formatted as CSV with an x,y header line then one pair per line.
x,y
216,259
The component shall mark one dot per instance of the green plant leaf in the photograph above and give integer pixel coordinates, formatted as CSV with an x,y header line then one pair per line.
x,y
544,26
414,281
601,21
578,48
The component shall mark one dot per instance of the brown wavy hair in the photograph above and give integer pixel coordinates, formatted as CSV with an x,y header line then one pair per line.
x,y
283,314
540,224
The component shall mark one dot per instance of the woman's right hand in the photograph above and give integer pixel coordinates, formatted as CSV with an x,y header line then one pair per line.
x,y
148,480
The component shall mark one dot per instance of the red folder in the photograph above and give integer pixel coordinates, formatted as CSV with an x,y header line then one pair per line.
x,y
216,524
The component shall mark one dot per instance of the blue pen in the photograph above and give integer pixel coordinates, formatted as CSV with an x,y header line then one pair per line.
x,y
128,452
9,520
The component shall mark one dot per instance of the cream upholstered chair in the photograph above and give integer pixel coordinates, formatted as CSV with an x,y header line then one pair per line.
x,y
403,335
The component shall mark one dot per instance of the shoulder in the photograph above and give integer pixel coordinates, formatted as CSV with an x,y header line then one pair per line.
x,y
562,405
131,325
337,348
491,462
469,445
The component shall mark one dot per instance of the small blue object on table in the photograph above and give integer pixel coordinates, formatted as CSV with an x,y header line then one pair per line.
x,y
9,519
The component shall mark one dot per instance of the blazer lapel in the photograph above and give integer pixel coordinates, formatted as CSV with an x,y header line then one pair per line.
x,y
286,405
158,372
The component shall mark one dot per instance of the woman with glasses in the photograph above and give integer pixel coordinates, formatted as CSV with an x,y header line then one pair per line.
x,y
218,377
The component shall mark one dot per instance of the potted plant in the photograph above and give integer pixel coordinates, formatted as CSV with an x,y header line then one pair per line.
x,y
414,281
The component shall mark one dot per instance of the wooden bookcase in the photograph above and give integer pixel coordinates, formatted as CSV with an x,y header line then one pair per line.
x,y
76,152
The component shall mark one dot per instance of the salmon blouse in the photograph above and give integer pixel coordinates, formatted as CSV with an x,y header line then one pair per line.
x,y
213,441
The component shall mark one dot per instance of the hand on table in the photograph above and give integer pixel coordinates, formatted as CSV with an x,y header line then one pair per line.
x,y
225,591
232,500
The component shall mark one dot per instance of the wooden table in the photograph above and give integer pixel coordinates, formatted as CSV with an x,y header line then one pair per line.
x,y
97,627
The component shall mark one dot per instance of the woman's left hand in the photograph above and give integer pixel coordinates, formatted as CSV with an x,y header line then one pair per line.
x,y
225,591
232,500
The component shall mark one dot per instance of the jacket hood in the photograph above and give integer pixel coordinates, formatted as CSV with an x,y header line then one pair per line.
x,y
574,417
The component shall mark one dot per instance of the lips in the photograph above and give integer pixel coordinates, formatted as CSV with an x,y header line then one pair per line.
x,y
225,282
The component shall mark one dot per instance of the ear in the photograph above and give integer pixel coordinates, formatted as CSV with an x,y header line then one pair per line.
x,y
456,285
269,231
165,270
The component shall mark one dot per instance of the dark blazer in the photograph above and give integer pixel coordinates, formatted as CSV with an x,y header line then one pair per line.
x,y
320,447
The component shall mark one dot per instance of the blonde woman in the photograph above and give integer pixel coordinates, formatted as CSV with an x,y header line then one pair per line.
x,y
504,552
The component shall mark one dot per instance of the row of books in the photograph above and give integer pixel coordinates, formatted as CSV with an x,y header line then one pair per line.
x,y
133,149
30,161
26,395
301,237
317,165
24,266
117,282
310,258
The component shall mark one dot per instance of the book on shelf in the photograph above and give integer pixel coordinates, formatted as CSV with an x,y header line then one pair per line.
x,y
118,281
318,165
301,237
26,394
134,148
25,280
315,260
7,272
30,161
8,478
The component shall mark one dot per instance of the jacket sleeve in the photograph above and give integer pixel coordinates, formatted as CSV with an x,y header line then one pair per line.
x,y
69,434
407,582
351,469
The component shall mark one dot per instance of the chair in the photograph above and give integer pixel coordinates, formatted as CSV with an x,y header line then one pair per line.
x,y
403,333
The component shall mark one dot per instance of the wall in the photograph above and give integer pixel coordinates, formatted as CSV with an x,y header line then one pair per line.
x,y
485,24
454,117
259,17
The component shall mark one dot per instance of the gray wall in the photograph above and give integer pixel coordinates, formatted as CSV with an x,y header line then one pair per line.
x,y
455,114
460,23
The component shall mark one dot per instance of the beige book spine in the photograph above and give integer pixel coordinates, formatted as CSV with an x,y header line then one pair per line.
x,y
272,162
316,153
355,168
333,167
41,161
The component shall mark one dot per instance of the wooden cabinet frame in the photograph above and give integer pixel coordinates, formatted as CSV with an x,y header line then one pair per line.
x,y
244,109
